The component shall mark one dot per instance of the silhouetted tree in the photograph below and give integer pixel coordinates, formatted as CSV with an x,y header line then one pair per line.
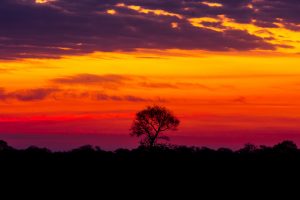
x,y
4,146
248,148
285,146
152,122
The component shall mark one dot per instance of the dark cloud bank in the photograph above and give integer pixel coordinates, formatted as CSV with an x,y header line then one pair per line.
x,y
68,27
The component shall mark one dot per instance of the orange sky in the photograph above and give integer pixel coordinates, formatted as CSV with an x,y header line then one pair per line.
x,y
211,93
224,95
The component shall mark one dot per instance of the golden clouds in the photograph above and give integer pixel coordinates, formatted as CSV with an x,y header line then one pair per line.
x,y
287,40
111,11
149,11
42,1
174,25
212,4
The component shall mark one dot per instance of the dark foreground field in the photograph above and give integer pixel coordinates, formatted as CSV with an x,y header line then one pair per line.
x,y
154,169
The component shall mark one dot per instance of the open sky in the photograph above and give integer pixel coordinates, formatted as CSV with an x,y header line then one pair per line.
x,y
76,72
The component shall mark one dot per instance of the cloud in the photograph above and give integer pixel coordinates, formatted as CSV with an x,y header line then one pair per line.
x,y
67,27
264,13
27,94
5,70
38,94
158,85
107,81
115,82
248,76
175,85
105,97
240,99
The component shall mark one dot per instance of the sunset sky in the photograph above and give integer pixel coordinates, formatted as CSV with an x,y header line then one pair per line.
x,y
75,72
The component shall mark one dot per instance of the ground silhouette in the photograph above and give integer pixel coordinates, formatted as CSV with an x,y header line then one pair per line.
x,y
191,170
284,152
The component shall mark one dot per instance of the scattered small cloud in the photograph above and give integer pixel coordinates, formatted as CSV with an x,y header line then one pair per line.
x,y
105,97
107,81
240,99
39,94
27,94
175,85
158,85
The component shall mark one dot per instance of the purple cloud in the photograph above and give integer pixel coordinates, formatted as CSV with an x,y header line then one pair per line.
x,y
92,79
105,97
27,94
67,27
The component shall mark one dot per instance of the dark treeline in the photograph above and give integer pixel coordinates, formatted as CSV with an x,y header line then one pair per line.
x,y
285,152
250,168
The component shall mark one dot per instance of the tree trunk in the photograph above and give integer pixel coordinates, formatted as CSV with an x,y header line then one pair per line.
x,y
152,142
